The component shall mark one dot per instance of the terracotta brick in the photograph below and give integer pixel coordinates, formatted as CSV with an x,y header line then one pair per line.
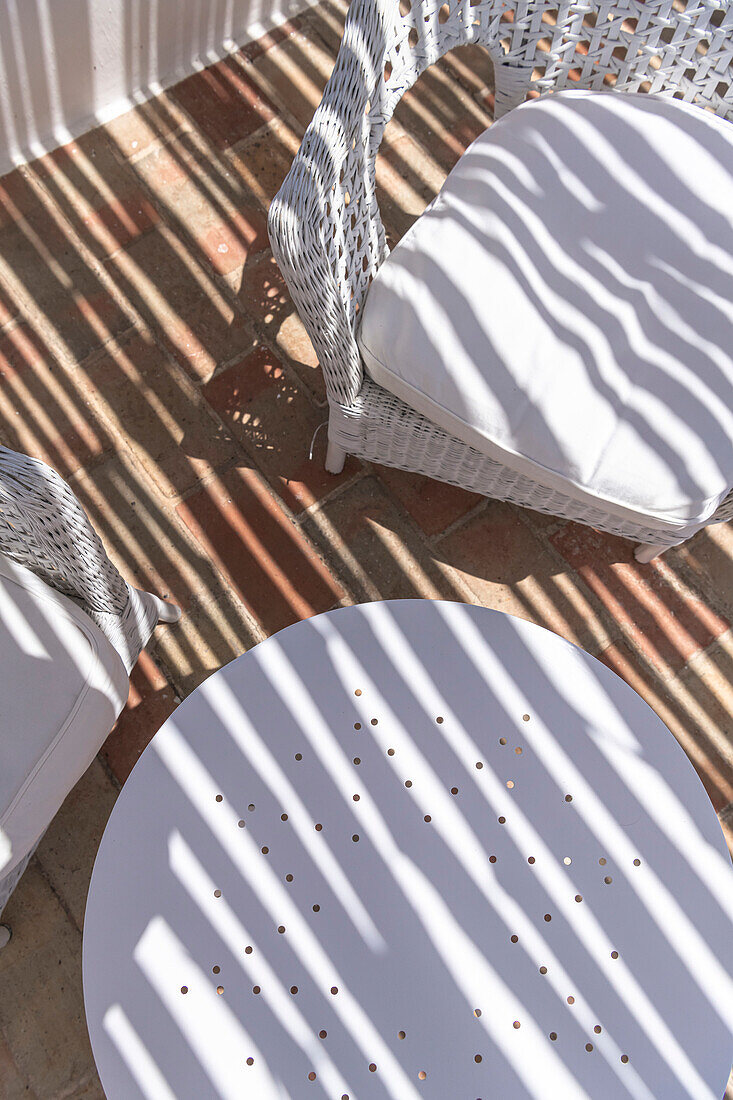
x,y
85,320
710,555
48,280
178,301
206,336
300,61
69,847
274,420
228,245
434,505
263,161
12,1085
252,50
97,193
696,708
211,633
164,169
441,116
509,569
326,20
42,1007
206,204
268,560
369,544
471,67
725,817
145,538
146,125
18,197
224,103
42,254
265,298
41,411
407,173
161,416
668,626
152,699
119,222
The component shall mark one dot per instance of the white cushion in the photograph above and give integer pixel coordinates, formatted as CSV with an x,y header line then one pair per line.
x,y
62,685
565,304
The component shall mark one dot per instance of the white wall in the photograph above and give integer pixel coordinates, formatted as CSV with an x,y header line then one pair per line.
x,y
67,65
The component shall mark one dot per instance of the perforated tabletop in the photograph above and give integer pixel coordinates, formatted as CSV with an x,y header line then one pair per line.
x,y
412,849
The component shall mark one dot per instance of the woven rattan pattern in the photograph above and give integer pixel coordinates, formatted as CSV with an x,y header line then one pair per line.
x,y
44,528
325,224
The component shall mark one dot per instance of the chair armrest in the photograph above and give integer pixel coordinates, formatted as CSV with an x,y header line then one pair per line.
x,y
44,527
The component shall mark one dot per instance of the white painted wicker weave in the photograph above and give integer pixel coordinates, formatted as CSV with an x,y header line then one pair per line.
x,y
325,226
44,528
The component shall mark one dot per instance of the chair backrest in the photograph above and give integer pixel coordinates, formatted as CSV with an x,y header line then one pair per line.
x,y
44,527
325,226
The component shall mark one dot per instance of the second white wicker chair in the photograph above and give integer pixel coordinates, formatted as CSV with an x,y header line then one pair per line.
x,y
325,225
71,630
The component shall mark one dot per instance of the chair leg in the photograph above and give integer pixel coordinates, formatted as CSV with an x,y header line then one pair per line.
x,y
335,458
648,551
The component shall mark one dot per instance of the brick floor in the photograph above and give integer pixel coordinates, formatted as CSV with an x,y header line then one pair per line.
x,y
150,350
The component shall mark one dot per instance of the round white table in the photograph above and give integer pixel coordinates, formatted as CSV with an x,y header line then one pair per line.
x,y
412,849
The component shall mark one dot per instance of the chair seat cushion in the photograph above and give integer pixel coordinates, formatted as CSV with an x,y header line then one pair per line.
x,y
62,685
565,304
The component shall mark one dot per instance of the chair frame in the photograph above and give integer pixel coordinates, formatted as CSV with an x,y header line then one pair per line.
x,y
325,225
44,528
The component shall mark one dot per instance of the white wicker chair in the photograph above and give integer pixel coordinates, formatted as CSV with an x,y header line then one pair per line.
x,y
325,225
44,528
